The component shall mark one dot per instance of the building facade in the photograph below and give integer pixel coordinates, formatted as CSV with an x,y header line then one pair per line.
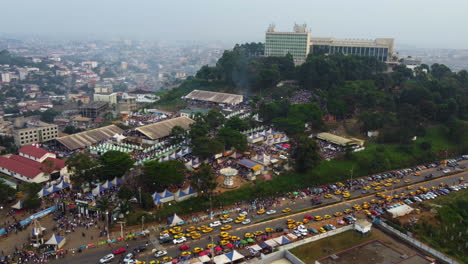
x,y
299,44
42,132
296,43
381,48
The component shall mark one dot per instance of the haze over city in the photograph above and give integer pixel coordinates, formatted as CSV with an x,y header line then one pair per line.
x,y
417,23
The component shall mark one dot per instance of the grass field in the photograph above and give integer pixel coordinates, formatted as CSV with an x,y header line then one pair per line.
x,y
446,230
327,246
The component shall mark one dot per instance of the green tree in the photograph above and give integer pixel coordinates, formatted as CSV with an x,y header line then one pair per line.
x,y
49,115
31,203
236,123
6,192
305,154
83,168
214,119
232,139
31,188
205,147
125,193
178,135
159,175
115,164
203,180
147,201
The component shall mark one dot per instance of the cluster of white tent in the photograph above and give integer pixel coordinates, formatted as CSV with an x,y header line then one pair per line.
x,y
237,113
56,240
106,185
269,136
169,153
54,188
103,148
131,146
264,159
193,163
180,195
153,147
256,129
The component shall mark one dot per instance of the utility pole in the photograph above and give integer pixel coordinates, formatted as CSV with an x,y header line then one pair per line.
x,y
139,191
142,223
121,228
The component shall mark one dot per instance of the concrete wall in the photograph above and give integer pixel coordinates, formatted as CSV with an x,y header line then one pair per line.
x,y
266,259
316,237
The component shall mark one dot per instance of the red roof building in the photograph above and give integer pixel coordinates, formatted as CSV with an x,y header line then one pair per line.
x,y
35,153
20,171
33,164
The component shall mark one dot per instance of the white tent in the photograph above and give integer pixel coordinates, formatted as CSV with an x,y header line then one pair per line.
x,y
56,241
97,190
175,220
18,205
221,259
400,211
204,258
271,242
234,255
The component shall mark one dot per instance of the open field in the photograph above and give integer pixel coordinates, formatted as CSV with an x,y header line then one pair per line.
x,y
327,246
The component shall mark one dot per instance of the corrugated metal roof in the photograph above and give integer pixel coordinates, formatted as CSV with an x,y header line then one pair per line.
x,y
334,139
164,128
88,138
221,98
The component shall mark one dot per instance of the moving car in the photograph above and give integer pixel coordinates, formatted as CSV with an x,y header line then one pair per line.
x,y
261,211
139,249
270,212
119,251
128,257
160,253
286,210
246,222
179,240
227,220
312,230
107,258
215,223
226,227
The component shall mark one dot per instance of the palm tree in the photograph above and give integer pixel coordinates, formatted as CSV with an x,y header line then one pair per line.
x,y
123,209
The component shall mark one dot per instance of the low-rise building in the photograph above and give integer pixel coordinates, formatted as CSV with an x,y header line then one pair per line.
x,y
33,164
36,132
93,109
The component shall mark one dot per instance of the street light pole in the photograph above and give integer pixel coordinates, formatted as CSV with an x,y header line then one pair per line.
x,y
142,223
107,224
121,228
139,191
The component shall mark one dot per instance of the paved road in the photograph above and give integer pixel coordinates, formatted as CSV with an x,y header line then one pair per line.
x,y
329,207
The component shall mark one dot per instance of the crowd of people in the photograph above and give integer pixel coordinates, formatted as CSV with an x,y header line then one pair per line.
x,y
301,97
329,151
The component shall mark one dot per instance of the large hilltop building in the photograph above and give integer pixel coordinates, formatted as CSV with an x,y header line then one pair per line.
x,y
299,43
296,43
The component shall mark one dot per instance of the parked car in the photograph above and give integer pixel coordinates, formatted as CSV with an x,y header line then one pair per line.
x,y
312,230
270,212
227,220
139,249
246,221
128,257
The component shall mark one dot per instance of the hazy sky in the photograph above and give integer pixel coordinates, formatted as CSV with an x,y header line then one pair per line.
x,y
419,23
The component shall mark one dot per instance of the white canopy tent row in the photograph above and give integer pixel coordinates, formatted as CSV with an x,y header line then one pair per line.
x,y
106,185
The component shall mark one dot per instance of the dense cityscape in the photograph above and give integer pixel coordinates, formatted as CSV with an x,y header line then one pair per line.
x,y
298,148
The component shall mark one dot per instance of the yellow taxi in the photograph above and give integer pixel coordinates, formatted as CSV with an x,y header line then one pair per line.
x,y
224,216
409,187
367,212
224,242
373,201
186,253
348,211
286,210
248,235
197,250
235,238
290,221
396,181
329,195
338,214
367,187
417,173
318,218
291,226
346,195
322,230
207,230
378,188
223,234
226,227
258,233
407,181
337,192
196,236
190,229
366,205
327,216
269,229
387,184
261,211
305,221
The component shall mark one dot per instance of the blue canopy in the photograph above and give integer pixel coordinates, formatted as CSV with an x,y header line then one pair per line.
x,y
43,192
62,185
2,231
53,189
